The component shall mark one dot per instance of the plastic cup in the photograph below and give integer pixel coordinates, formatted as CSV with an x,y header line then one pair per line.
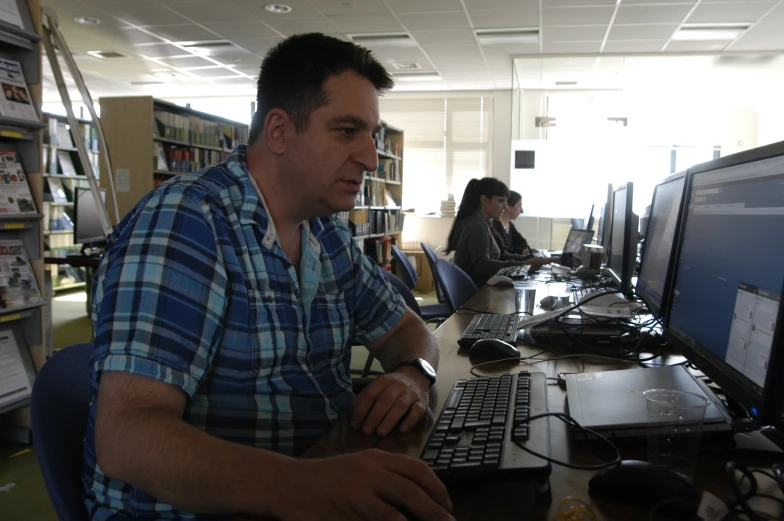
x,y
675,420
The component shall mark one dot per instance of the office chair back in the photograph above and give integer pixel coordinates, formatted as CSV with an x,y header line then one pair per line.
x,y
404,291
59,410
457,285
431,256
407,271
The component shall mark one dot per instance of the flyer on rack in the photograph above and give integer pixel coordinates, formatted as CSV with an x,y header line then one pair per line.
x,y
14,383
9,13
15,196
15,102
18,288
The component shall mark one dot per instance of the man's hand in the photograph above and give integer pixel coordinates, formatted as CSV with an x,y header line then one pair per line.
x,y
368,485
390,398
536,263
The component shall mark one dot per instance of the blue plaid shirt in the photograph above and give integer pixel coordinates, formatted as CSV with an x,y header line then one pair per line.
x,y
195,291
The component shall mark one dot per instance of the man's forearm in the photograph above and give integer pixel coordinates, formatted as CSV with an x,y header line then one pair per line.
x,y
413,340
159,453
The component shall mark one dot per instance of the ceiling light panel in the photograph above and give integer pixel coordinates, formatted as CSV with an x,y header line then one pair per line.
x,y
382,39
717,32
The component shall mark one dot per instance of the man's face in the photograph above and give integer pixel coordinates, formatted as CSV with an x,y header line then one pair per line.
x,y
515,211
329,159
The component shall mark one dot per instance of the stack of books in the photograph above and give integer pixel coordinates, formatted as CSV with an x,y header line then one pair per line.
x,y
448,208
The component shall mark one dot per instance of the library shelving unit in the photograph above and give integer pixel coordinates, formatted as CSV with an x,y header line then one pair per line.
x,y
377,219
63,170
22,325
150,141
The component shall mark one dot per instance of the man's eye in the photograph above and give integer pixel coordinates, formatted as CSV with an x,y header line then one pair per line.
x,y
348,131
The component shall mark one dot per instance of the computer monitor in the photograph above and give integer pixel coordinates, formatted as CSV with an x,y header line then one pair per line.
x,y
588,222
605,221
725,313
87,225
574,244
623,238
657,258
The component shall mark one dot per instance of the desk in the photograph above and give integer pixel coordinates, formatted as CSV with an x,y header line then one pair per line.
x,y
499,501
89,262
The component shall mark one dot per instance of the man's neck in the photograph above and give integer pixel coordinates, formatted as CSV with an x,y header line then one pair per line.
x,y
275,191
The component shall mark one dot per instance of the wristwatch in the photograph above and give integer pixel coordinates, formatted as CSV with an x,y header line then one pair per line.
x,y
423,366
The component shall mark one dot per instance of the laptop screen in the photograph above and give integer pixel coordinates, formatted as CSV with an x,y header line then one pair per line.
x,y
729,273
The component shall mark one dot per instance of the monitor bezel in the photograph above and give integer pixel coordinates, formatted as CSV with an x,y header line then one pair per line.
x,y
727,380
660,310
604,235
87,240
588,223
624,278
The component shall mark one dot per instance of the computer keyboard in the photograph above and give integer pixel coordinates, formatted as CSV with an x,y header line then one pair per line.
x,y
499,326
515,272
475,434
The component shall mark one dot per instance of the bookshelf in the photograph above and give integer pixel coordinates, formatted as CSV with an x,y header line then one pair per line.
x,y
377,218
151,141
22,334
63,170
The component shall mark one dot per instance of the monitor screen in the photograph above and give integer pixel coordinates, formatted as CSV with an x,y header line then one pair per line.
x,y
659,239
87,225
605,221
576,239
729,272
588,222
623,246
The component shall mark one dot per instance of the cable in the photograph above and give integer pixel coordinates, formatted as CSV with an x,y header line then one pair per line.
x,y
569,421
740,500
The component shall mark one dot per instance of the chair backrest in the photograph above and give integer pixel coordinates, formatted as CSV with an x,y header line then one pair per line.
x,y
431,256
407,271
457,285
59,411
401,288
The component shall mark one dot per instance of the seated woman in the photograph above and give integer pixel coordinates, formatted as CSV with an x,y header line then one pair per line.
x,y
476,252
505,234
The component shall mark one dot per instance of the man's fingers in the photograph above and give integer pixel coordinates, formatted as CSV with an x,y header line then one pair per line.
x,y
364,402
398,410
415,414
381,407
418,471
416,501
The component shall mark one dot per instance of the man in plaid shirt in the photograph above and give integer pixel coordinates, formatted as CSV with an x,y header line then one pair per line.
x,y
225,307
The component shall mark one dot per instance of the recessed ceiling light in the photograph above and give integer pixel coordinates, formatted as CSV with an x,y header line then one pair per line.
x,y
87,20
385,39
507,36
406,66
277,8
709,32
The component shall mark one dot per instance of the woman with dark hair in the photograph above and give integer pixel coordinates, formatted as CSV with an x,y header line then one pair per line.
x,y
505,234
476,252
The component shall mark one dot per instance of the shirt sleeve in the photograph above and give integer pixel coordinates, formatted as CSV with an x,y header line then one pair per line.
x,y
161,293
377,305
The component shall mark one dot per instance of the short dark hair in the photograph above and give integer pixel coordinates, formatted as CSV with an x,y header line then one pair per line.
x,y
472,202
514,198
294,71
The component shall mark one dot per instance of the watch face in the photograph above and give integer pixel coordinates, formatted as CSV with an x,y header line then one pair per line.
x,y
427,368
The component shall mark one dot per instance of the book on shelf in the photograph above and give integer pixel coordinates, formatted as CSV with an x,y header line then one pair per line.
x,y
15,381
63,136
15,102
15,196
159,159
57,190
18,287
9,13
56,219
66,163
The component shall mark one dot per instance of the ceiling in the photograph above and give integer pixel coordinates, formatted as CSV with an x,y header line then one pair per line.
x,y
155,37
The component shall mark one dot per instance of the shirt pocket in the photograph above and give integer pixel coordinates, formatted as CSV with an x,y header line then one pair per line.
x,y
330,331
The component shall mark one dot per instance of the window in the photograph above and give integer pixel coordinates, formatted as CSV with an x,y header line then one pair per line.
x,y
447,141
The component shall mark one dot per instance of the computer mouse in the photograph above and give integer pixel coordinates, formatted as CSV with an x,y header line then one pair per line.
x,y
500,280
644,484
493,349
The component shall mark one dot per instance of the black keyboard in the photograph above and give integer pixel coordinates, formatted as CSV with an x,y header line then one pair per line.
x,y
515,272
475,434
483,325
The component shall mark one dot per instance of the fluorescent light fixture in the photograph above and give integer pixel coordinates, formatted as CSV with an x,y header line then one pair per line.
x,y
709,32
385,39
417,76
406,66
507,36
277,8
87,20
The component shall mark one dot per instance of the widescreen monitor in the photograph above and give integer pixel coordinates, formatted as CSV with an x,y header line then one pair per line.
x,y
623,238
660,235
725,312
605,219
87,225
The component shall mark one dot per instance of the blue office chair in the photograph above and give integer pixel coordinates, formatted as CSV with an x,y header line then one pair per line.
x,y
409,277
457,285
59,411
431,256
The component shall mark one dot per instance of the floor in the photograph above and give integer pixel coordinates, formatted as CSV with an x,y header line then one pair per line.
x,y
27,499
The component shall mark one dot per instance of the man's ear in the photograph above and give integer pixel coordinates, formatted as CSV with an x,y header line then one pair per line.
x,y
277,124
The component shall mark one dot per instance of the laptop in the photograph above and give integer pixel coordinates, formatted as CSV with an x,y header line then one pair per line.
x,y
574,245
611,402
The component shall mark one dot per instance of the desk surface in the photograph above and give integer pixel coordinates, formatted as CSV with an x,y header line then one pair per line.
x,y
500,501
78,261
